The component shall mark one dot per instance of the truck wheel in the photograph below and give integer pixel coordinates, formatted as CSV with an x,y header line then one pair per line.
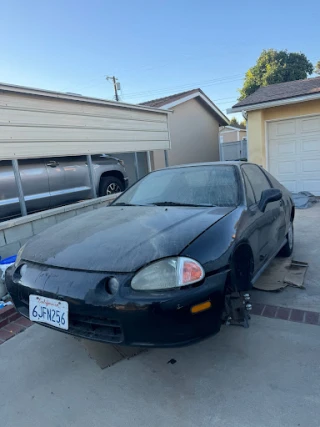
x,y
110,185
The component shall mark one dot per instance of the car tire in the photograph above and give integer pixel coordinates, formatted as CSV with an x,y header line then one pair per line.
x,y
110,185
287,249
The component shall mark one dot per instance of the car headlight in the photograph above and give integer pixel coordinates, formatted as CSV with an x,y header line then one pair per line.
x,y
168,273
19,254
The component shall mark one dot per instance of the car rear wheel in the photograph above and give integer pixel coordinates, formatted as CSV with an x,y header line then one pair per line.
x,y
110,185
287,249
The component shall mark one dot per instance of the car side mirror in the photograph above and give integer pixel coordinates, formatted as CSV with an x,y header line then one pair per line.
x,y
268,196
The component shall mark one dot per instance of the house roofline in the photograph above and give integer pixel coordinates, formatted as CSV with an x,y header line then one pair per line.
x,y
197,94
270,104
233,129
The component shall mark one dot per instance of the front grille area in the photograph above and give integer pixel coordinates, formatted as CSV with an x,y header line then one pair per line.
x,y
83,326
95,328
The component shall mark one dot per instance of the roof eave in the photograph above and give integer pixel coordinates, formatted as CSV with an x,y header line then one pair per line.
x,y
270,104
224,121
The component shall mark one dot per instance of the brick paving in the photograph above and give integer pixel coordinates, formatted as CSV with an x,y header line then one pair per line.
x,y
12,323
284,313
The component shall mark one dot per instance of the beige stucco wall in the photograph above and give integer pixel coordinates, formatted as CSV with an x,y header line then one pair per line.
x,y
194,136
255,129
256,125
231,136
243,134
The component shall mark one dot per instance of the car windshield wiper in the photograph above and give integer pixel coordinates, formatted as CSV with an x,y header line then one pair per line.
x,y
127,204
195,205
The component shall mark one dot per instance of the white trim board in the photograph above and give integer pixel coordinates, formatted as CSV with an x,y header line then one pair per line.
x,y
231,131
227,128
192,96
292,117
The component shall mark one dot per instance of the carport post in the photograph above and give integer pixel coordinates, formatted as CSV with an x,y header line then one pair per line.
x,y
241,149
149,161
166,161
91,177
136,165
17,176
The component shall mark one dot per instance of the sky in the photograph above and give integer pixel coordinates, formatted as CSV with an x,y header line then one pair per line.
x,y
155,48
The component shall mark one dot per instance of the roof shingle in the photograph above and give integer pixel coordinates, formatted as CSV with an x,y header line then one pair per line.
x,y
160,102
281,91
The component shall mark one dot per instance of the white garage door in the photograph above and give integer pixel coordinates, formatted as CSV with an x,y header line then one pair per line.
x,y
294,153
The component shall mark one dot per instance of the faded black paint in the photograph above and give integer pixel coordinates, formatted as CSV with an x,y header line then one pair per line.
x,y
120,239
71,261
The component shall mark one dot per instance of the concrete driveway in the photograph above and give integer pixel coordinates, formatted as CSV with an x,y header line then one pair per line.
x,y
267,375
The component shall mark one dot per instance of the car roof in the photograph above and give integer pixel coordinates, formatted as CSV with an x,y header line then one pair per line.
x,y
232,163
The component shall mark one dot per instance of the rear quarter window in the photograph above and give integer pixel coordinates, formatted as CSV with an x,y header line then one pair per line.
x,y
274,182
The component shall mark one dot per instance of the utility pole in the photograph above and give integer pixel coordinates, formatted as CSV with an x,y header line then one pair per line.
x,y
116,86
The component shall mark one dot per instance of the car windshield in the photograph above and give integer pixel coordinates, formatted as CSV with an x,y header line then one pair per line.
x,y
214,185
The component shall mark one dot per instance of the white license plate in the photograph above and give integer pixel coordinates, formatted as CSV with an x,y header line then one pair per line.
x,y
48,310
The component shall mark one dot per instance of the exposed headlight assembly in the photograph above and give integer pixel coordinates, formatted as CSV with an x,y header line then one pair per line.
x,y
168,273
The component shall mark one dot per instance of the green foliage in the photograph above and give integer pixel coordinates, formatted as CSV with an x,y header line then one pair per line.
x,y
275,66
243,124
317,68
234,122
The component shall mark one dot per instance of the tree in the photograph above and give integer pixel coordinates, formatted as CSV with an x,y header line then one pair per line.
x,y
243,124
275,66
317,68
234,122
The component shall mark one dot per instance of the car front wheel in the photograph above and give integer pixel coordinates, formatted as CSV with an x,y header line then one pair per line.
x,y
287,249
110,185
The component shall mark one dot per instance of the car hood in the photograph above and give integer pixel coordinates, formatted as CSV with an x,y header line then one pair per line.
x,y
120,239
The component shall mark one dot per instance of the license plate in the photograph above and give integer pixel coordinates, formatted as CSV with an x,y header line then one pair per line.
x,y
48,310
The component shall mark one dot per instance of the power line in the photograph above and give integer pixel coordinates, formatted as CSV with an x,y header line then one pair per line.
x,y
187,85
169,92
146,67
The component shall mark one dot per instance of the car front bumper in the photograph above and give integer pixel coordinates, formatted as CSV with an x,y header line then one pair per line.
x,y
158,319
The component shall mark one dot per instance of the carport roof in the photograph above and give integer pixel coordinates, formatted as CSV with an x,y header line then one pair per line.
x,y
280,93
11,88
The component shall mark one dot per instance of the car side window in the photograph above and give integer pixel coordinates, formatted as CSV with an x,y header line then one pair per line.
x,y
257,179
274,182
249,191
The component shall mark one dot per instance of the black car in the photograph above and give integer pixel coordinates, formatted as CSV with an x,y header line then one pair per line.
x,y
161,266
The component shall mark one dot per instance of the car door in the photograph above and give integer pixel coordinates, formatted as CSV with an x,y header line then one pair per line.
x,y
68,179
285,207
265,223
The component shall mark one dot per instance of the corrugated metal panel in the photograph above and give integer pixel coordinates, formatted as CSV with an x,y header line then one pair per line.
x,y
39,126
